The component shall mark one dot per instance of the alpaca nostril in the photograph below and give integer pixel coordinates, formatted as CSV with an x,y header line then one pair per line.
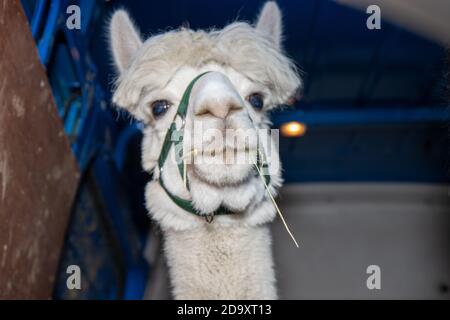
x,y
234,107
218,110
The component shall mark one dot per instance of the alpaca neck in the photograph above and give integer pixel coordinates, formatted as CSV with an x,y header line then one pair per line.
x,y
216,262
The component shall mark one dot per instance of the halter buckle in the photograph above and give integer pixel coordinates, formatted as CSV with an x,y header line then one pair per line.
x,y
209,218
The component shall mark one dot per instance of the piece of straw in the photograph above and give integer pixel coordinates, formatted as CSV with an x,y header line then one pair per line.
x,y
276,206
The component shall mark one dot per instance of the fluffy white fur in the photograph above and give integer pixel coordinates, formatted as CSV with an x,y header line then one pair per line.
x,y
212,262
230,258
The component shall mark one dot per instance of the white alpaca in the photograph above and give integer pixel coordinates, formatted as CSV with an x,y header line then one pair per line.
x,y
231,257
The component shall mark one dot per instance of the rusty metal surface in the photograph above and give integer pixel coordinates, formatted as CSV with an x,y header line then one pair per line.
x,y
38,173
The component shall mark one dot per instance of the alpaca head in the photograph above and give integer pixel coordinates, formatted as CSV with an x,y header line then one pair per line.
x,y
247,75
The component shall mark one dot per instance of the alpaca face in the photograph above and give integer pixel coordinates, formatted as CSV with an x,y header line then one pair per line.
x,y
220,131
247,76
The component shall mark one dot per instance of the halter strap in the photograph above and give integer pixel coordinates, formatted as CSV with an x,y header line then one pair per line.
x,y
172,133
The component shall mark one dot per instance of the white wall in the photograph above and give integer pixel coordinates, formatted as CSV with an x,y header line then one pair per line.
x,y
343,228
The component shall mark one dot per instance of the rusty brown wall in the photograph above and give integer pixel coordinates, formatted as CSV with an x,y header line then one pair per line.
x,y
38,173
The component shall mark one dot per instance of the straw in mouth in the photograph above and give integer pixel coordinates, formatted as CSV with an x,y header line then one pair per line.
x,y
276,206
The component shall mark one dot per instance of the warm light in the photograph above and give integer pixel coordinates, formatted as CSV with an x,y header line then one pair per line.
x,y
293,129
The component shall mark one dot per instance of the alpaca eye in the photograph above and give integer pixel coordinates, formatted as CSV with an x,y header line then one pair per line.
x,y
160,107
256,100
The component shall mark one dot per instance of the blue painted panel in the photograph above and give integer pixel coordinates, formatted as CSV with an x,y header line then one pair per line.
x,y
397,153
332,117
107,231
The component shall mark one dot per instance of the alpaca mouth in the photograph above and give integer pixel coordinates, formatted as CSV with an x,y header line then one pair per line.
x,y
221,175
225,150
224,156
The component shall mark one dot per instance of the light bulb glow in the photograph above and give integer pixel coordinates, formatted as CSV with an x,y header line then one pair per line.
x,y
293,129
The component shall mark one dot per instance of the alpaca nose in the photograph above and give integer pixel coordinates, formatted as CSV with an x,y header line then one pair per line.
x,y
218,109
215,95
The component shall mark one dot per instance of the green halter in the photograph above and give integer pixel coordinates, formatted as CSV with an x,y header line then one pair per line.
x,y
167,144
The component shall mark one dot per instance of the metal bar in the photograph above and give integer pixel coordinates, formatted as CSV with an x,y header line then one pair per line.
x,y
37,17
123,141
46,42
395,115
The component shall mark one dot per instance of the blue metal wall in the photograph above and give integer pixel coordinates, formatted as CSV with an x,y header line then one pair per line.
x,y
108,226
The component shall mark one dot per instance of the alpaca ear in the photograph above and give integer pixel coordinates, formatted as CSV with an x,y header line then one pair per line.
x,y
269,23
124,39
